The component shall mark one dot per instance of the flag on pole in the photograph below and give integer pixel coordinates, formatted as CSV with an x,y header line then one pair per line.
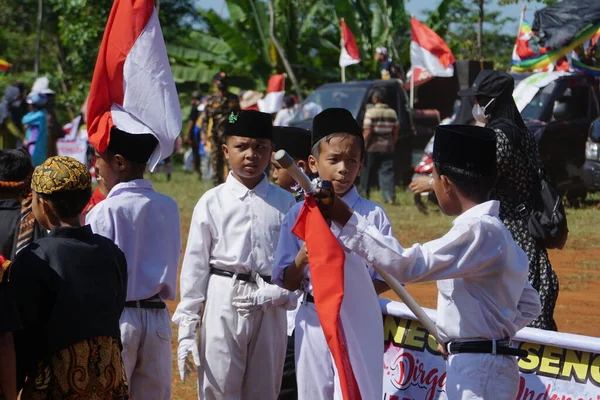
x,y
326,263
429,51
132,86
350,54
4,66
273,100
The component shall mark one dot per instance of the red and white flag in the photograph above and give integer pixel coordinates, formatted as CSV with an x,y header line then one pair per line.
x,y
429,51
350,54
273,101
133,87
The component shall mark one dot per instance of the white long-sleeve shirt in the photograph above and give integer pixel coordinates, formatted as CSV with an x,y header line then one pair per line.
x,y
235,229
145,226
481,272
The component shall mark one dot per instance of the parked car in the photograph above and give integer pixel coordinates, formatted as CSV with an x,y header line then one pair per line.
x,y
591,168
355,97
560,115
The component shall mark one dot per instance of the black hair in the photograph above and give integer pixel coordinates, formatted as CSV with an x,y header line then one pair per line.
x,y
68,203
379,93
288,101
475,186
15,165
316,149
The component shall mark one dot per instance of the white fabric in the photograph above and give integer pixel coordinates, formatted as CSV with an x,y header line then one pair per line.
x,y
481,377
291,314
526,90
421,57
360,315
241,358
272,102
289,244
149,91
186,348
481,272
345,58
284,117
145,226
146,337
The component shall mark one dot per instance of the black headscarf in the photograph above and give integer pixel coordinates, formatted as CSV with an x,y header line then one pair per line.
x,y
504,114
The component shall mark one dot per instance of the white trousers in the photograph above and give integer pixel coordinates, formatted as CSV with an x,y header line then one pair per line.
x,y
241,357
481,377
146,337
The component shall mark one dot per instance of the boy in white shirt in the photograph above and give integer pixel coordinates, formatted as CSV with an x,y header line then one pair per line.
x,y
226,274
337,155
484,295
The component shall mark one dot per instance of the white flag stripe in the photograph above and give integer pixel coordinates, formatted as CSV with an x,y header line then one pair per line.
x,y
422,58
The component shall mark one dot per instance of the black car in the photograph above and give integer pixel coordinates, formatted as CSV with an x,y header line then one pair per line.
x,y
355,97
591,169
560,116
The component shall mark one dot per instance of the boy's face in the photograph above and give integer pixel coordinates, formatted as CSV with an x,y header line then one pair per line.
x,y
109,168
247,157
339,162
446,194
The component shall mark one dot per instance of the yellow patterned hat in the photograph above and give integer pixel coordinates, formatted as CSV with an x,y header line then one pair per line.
x,y
59,174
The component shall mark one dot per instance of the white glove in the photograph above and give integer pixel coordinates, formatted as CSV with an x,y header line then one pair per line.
x,y
265,296
187,346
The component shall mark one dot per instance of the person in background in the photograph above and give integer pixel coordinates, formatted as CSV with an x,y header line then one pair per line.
x,y
214,117
193,132
380,131
36,136
518,161
285,115
388,69
70,290
55,130
249,100
10,132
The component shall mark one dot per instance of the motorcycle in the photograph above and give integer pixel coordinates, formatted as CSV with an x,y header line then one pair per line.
x,y
426,200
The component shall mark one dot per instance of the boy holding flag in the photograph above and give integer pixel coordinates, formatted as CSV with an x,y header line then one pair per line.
x,y
481,273
337,156
134,118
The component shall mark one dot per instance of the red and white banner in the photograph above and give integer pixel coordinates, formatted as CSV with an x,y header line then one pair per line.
x,y
273,101
132,86
350,54
560,366
428,51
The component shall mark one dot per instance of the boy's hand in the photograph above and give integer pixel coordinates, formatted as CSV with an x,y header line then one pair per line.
x,y
302,257
332,207
442,350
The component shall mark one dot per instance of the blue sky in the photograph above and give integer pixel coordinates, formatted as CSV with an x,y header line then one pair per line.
x,y
417,7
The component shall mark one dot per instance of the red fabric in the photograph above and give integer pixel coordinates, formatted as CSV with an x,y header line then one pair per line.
x,y
430,41
126,22
348,41
326,262
97,197
276,83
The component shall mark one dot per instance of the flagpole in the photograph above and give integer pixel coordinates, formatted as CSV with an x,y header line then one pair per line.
x,y
412,88
343,74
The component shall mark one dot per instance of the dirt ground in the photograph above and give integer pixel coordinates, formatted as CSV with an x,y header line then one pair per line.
x,y
577,308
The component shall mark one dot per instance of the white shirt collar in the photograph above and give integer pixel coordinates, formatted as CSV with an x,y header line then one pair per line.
x,y
351,197
491,208
240,190
134,184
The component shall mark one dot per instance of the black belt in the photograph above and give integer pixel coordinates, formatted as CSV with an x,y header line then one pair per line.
x,y
239,277
309,298
495,347
147,303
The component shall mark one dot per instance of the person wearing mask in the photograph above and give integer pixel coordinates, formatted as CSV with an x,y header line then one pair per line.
x,y
285,115
517,162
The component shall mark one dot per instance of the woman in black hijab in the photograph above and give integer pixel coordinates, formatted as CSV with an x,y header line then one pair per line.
x,y
517,160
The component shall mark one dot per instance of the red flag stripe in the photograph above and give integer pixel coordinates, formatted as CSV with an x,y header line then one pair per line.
x,y
276,83
127,20
349,41
326,262
430,41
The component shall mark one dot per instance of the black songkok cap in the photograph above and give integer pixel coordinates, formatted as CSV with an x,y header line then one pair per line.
x,y
466,147
490,83
249,123
134,147
334,120
295,141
